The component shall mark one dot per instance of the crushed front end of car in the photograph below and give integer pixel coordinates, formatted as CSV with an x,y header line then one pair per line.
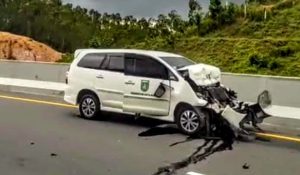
x,y
223,104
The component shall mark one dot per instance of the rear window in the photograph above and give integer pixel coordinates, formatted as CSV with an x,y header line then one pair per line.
x,y
116,63
91,61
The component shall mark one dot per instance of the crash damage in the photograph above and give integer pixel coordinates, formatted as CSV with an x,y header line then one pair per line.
x,y
227,117
223,104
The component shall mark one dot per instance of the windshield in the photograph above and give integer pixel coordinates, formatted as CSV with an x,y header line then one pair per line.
x,y
178,62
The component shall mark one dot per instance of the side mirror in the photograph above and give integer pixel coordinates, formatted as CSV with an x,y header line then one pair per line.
x,y
264,99
160,91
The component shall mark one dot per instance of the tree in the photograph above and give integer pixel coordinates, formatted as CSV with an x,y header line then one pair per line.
x,y
143,23
195,14
215,9
163,25
228,15
176,21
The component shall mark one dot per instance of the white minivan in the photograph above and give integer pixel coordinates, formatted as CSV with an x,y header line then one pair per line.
x,y
143,83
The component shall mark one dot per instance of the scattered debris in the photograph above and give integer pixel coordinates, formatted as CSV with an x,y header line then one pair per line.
x,y
159,131
224,139
210,147
53,155
246,166
189,139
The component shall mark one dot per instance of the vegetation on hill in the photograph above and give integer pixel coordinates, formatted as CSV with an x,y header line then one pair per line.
x,y
262,37
240,55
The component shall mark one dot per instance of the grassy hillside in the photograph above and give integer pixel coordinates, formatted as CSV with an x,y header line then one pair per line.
x,y
283,21
240,55
260,46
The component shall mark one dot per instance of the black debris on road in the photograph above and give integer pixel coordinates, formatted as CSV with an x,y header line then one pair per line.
x,y
246,166
159,131
53,155
225,140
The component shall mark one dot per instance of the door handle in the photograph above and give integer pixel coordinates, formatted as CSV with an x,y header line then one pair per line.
x,y
100,76
129,83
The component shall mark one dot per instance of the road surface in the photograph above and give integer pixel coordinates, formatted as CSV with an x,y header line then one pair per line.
x,y
51,139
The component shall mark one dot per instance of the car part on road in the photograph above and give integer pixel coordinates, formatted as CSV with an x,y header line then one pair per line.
x,y
89,106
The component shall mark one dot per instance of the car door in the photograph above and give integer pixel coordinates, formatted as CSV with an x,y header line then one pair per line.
x,y
86,73
110,81
143,76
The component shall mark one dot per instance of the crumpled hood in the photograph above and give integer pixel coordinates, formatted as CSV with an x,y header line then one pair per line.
x,y
203,74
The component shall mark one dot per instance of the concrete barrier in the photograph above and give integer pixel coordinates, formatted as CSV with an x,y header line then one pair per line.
x,y
54,72
285,90
48,79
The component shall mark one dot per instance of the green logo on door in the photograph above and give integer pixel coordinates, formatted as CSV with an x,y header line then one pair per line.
x,y
145,85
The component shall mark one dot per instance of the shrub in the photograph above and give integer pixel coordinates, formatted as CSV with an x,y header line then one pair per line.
x,y
274,65
258,61
256,14
66,58
285,4
282,52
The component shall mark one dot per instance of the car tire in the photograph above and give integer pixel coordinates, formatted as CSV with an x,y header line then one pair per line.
x,y
89,106
190,122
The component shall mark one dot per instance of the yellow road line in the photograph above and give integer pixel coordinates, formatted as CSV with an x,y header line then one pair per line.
x,y
266,135
37,101
279,137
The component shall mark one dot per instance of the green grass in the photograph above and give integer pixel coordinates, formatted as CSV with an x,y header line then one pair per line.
x,y
270,47
283,21
267,56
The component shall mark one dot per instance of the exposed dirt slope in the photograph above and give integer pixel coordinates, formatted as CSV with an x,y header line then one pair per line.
x,y
15,47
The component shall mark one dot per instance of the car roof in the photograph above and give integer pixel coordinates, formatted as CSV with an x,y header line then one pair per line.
x,y
134,51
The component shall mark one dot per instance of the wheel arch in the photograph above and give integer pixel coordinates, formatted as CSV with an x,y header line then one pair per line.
x,y
85,92
179,106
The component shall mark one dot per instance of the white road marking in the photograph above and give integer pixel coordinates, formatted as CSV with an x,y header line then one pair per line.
x,y
193,173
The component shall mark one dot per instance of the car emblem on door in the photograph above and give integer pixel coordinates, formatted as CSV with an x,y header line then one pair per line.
x,y
145,85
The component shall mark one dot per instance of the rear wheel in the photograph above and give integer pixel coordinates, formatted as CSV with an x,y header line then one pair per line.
x,y
89,106
190,122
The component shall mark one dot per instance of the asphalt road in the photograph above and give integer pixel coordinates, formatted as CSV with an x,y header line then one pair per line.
x,y
46,139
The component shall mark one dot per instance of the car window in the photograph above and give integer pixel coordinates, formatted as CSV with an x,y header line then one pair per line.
x,y
92,61
116,63
144,66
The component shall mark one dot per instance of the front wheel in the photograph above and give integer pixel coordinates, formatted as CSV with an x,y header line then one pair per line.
x,y
190,122
89,106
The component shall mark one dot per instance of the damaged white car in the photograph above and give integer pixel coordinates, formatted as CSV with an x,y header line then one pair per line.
x,y
159,85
